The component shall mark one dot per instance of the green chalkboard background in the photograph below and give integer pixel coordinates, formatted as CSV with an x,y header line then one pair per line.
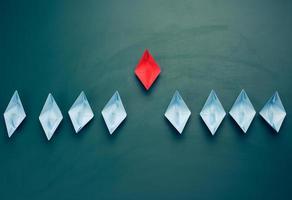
x,y
64,47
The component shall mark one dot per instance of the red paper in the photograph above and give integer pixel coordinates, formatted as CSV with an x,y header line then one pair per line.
x,y
147,70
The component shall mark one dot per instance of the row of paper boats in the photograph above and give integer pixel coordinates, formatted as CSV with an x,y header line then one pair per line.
x,y
177,113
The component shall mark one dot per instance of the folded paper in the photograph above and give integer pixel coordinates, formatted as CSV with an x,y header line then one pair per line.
x,y
213,112
114,112
80,112
177,112
147,70
14,114
274,112
50,116
242,111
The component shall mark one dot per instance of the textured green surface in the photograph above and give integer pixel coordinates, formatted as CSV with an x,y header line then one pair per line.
x,y
65,47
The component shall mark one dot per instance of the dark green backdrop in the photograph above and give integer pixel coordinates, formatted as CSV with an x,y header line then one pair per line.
x,y
64,47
